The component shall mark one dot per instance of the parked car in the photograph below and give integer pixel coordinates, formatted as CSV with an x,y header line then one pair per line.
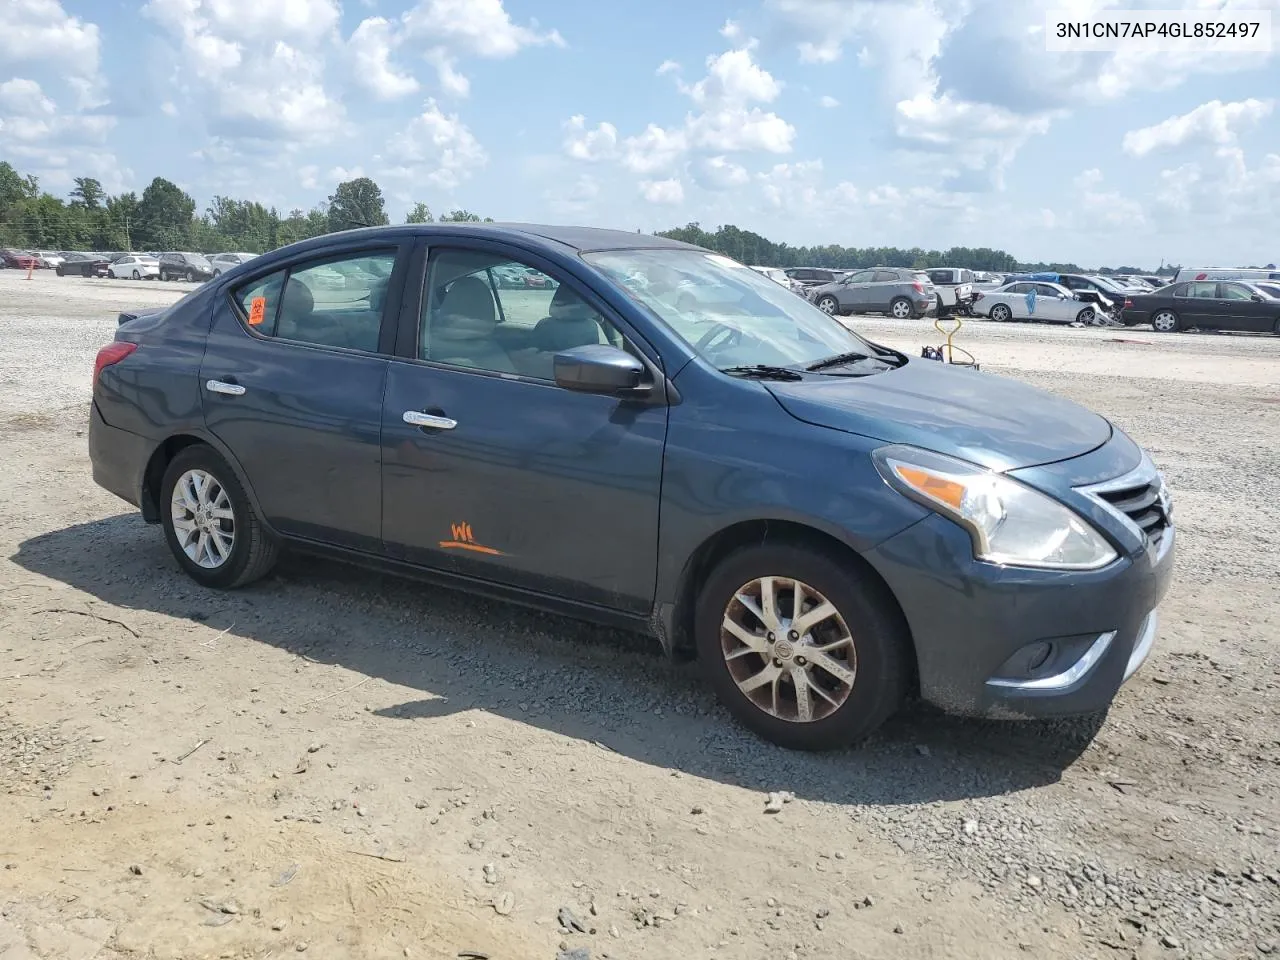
x,y
901,292
1106,293
1270,289
1052,303
1227,273
814,276
19,259
50,259
1151,280
222,262
954,287
778,276
185,266
655,468
82,265
1205,305
135,266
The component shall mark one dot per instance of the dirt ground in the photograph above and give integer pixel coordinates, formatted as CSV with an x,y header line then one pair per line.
x,y
344,765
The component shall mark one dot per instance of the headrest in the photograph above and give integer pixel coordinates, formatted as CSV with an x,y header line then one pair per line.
x,y
466,311
567,305
298,300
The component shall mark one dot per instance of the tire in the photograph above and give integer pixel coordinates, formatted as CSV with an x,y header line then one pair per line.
x,y
253,550
1165,321
164,274
942,310
59,271
1086,316
191,276
901,309
137,275
1000,313
1276,328
829,305
878,640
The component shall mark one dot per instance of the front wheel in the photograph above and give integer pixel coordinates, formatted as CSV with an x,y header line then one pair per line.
x,y
1086,316
137,275
191,276
829,305
1001,313
59,271
802,647
1165,321
209,523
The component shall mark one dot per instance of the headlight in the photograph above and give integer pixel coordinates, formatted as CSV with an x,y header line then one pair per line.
x,y
1009,522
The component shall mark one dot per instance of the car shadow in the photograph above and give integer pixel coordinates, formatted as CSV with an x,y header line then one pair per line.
x,y
608,687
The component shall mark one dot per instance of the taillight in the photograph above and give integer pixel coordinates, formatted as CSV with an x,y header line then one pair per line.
x,y
919,286
1128,303
112,353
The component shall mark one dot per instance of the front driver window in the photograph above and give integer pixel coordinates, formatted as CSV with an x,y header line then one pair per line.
x,y
1234,291
488,312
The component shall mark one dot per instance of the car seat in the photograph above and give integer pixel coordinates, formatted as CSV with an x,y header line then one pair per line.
x,y
461,328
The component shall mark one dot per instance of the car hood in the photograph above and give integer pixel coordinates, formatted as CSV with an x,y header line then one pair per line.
x,y
999,423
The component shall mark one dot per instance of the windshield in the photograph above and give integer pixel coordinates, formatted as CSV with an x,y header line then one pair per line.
x,y
731,315
197,259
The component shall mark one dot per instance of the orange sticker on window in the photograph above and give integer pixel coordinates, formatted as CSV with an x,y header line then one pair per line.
x,y
257,311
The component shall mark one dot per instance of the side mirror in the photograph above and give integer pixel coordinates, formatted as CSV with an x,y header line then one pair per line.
x,y
1258,298
598,368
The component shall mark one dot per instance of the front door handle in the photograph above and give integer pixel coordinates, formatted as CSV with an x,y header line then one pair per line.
x,y
429,420
227,389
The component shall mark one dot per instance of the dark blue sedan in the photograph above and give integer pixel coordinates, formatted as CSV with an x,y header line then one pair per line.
x,y
654,436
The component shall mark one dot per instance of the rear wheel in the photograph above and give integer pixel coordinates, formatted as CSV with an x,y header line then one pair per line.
x,y
1165,321
59,271
801,647
829,305
137,275
164,274
1001,313
191,276
209,523
901,309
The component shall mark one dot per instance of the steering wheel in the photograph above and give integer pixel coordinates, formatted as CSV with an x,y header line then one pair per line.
x,y
734,335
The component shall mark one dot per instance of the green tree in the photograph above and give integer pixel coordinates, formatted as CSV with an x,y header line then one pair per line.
x,y
463,216
243,224
121,217
420,213
164,217
357,203
88,193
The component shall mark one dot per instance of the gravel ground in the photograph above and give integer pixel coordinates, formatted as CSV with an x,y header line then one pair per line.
x,y
382,768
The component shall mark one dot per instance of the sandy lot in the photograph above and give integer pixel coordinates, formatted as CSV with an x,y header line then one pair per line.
x,y
345,765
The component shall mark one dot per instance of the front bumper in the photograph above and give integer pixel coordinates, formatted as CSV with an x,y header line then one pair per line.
x,y
968,619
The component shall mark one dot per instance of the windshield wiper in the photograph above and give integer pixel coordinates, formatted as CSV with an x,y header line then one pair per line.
x,y
763,371
839,360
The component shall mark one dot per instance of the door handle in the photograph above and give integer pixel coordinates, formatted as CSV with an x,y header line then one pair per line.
x,y
429,420
227,389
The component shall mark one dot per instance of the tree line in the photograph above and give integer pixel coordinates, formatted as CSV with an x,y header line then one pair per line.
x,y
165,218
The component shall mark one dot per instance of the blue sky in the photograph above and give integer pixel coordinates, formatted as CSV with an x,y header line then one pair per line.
x,y
862,122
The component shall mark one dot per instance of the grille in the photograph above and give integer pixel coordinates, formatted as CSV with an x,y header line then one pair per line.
x,y
1146,503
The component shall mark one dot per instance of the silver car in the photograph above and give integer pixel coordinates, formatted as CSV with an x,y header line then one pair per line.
x,y
901,292
1052,303
222,262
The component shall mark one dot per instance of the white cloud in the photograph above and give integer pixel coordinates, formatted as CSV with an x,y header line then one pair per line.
x,y
479,27
665,192
341,173
731,31
733,77
41,31
578,198
667,66
1097,206
721,173
169,108
828,101
590,145
24,98
235,65
1214,122
371,46
655,149
451,81
436,148
739,129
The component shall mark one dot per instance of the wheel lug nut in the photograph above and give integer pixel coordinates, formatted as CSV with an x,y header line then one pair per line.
x,y
801,661
772,638
777,662
793,635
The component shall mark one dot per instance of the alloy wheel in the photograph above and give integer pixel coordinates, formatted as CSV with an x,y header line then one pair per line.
x,y
203,519
1000,313
1164,322
788,649
901,309
828,306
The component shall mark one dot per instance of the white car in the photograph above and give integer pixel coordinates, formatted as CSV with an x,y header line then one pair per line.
x,y
777,275
223,262
134,267
1053,303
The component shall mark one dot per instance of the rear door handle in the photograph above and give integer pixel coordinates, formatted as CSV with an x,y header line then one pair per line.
x,y
430,420
228,389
